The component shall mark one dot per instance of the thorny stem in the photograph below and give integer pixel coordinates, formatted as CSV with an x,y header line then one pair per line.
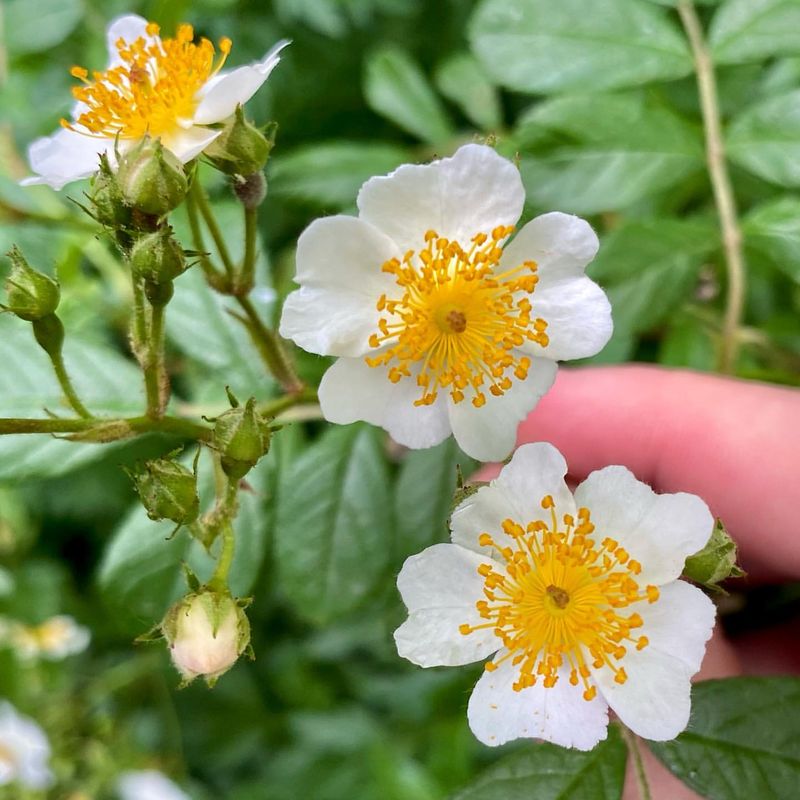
x,y
66,386
127,426
632,743
721,184
213,228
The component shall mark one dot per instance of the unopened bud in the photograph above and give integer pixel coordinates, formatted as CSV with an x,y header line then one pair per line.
x,y
251,189
30,294
206,632
108,204
241,435
716,562
157,257
152,178
241,148
168,491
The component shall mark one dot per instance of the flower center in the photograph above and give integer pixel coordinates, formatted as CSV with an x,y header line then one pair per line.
x,y
458,319
152,91
559,601
8,760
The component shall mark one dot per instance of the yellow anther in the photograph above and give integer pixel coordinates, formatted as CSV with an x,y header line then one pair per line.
x,y
547,501
464,629
652,594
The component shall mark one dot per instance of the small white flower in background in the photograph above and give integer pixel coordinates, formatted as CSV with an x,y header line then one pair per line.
x,y
148,785
171,89
206,634
24,750
443,323
54,639
576,599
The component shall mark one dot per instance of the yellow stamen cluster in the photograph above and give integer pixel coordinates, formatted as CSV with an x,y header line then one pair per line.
x,y
458,319
152,91
560,600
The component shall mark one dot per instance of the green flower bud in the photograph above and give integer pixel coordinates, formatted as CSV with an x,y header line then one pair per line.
x,y
49,333
152,178
206,632
168,491
716,562
241,148
241,435
108,204
31,295
157,257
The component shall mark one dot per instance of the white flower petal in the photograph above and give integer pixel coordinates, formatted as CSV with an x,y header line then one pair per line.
x,y
220,95
474,191
658,530
654,701
440,587
497,714
188,143
29,746
560,244
64,157
345,253
578,316
351,391
535,470
148,785
129,28
489,433
329,322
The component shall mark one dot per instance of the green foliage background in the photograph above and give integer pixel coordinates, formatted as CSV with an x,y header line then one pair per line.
x,y
598,100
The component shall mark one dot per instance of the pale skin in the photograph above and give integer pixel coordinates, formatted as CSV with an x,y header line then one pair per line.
x,y
734,443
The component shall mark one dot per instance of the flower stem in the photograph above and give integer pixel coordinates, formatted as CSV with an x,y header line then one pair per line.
x,y
246,277
66,385
211,223
270,348
211,273
632,742
721,185
219,580
124,427
155,376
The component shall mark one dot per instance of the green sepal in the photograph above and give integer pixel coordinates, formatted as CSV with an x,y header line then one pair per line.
x,y
716,562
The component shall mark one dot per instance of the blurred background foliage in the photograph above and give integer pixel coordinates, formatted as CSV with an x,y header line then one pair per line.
x,y
598,101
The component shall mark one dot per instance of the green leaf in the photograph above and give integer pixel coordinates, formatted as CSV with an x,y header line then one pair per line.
x,y
687,343
462,80
773,230
765,139
396,88
742,741
611,151
329,174
750,30
107,383
647,268
580,45
35,25
333,530
424,495
547,772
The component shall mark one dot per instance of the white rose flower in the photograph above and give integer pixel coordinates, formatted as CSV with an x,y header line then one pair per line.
x,y
24,750
576,599
171,89
443,323
206,633
148,785
55,639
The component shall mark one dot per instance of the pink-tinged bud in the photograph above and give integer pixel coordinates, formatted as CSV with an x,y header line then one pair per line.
x,y
206,633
